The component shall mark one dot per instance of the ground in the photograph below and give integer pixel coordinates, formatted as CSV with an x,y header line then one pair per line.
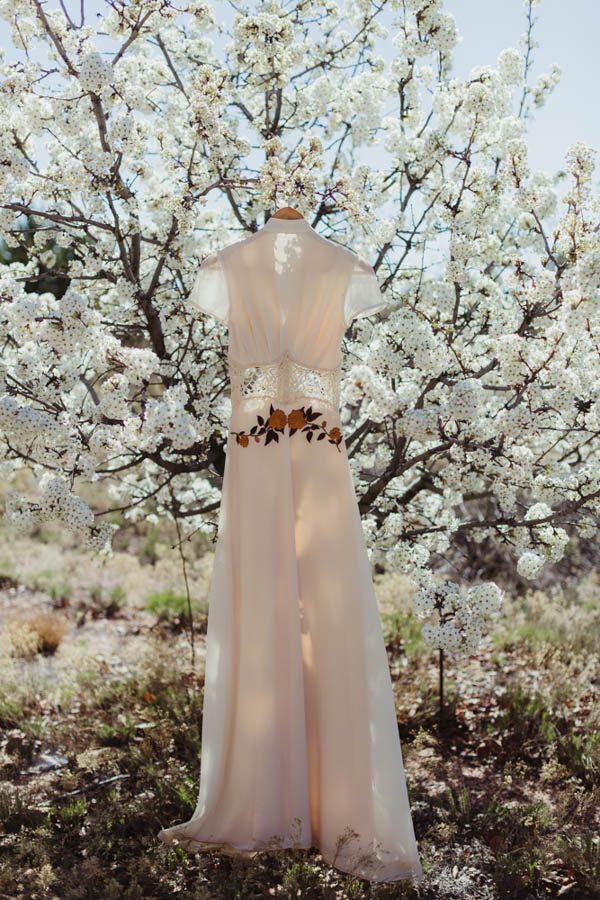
x,y
100,713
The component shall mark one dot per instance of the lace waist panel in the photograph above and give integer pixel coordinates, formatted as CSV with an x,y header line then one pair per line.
x,y
286,381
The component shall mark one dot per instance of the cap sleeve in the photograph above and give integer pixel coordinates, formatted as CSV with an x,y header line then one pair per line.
x,y
209,293
363,295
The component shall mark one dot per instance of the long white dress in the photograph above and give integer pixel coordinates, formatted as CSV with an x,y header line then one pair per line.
x,y
300,743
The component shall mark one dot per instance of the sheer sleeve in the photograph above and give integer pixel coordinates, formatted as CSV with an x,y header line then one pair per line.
x,y
209,293
363,295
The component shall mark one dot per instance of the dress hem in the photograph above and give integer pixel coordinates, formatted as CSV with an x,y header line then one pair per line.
x,y
251,851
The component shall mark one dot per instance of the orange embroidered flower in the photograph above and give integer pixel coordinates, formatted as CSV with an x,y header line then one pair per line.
x,y
296,419
277,419
302,419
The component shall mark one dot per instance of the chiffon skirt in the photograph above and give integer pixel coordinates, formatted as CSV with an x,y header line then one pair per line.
x,y
300,744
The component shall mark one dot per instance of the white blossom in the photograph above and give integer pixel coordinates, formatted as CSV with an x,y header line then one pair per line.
x,y
94,72
510,66
460,618
529,564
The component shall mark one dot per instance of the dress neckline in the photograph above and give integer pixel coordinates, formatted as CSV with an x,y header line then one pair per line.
x,y
275,224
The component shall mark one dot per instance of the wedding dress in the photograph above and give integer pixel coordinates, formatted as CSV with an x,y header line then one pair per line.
x,y
300,743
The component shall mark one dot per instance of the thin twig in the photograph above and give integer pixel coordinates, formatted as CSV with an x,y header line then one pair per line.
x,y
90,787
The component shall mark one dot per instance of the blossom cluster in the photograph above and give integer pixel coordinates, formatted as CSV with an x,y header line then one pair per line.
x,y
94,72
460,618
57,503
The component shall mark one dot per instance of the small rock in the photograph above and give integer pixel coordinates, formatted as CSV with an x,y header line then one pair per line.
x,y
47,761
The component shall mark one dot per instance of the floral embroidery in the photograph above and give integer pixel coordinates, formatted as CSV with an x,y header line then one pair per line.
x,y
301,419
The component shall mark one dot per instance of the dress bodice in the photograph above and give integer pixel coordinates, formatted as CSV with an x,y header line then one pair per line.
x,y
287,295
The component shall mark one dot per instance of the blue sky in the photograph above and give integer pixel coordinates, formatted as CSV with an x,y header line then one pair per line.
x,y
488,26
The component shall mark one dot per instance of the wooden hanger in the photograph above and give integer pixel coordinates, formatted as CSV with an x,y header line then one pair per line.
x,y
287,212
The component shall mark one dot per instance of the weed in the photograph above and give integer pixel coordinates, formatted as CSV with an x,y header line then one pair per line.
x,y
106,606
172,608
117,735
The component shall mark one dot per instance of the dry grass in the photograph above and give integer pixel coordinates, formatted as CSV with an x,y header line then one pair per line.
x,y
41,632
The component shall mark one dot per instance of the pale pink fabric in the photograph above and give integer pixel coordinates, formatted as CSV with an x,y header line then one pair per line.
x,y
300,743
